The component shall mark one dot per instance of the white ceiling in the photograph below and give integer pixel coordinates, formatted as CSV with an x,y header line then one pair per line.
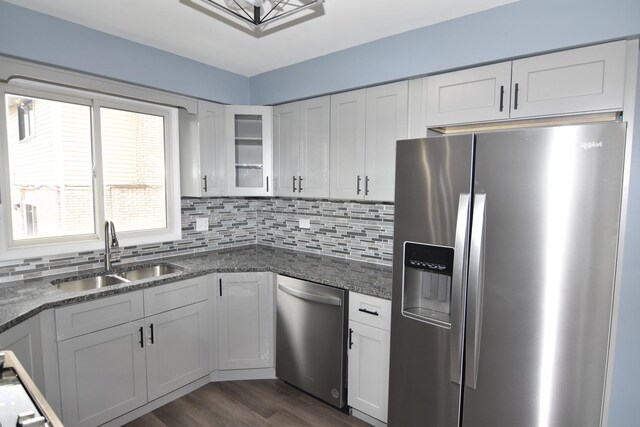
x,y
184,27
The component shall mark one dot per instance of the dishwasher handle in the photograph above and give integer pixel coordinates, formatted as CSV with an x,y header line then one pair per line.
x,y
322,299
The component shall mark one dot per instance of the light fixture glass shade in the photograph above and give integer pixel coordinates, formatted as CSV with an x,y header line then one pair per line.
x,y
267,11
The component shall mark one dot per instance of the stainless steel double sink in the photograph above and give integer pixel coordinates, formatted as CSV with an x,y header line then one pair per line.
x,y
109,279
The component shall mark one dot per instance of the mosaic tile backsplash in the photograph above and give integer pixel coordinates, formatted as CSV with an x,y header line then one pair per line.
x,y
358,231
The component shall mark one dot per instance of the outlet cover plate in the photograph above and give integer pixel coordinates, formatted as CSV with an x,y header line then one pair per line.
x,y
202,224
304,223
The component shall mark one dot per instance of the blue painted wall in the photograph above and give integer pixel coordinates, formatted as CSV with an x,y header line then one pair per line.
x,y
518,29
38,37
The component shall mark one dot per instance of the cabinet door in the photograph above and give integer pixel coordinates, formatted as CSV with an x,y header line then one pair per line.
x,y
579,80
286,149
369,370
202,151
347,145
245,321
249,139
102,375
474,95
387,121
211,120
25,340
177,348
313,180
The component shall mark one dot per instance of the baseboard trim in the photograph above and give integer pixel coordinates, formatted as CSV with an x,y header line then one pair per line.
x,y
367,418
243,374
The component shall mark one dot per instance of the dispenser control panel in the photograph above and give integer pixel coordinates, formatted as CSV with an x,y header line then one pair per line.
x,y
427,283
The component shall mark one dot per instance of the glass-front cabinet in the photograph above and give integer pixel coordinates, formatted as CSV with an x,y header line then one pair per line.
x,y
249,139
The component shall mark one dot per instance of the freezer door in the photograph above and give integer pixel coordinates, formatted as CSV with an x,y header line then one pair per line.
x,y
432,200
541,273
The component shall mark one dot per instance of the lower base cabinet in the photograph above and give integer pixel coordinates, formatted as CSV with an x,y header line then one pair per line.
x,y
119,367
368,355
245,321
102,374
178,349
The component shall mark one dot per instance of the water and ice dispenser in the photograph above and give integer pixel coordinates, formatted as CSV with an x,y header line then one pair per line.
x,y
426,287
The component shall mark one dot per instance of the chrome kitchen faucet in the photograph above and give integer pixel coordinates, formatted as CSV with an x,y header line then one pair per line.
x,y
110,243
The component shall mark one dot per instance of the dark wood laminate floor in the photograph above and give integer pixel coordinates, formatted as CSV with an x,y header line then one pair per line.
x,y
246,403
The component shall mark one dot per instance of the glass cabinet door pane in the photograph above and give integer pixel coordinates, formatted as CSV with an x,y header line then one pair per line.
x,y
248,150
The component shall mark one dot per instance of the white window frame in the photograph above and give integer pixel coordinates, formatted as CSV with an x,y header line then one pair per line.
x,y
11,249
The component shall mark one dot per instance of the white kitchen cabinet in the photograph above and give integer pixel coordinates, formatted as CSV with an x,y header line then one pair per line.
x,y
365,125
202,151
473,95
348,144
245,319
102,374
249,150
25,340
584,80
386,122
113,359
368,355
177,348
579,80
301,148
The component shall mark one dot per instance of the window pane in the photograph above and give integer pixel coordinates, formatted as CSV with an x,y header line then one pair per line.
x,y
50,170
133,163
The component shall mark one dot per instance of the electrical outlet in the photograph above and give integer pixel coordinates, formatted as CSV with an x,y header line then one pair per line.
x,y
304,223
202,224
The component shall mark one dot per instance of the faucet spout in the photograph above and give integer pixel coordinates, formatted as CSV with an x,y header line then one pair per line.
x,y
110,243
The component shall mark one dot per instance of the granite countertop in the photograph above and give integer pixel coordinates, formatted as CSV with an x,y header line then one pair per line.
x,y
22,299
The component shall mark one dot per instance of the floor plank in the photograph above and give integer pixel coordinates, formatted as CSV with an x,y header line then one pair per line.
x,y
261,403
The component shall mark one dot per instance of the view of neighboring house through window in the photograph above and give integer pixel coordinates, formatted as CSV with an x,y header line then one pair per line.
x,y
51,172
26,119
133,163
58,159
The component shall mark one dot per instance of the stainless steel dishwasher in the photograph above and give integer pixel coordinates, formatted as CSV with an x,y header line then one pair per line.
x,y
311,338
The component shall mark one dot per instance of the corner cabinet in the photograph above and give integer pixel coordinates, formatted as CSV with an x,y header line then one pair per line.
x,y
202,151
301,148
365,125
584,80
245,320
249,150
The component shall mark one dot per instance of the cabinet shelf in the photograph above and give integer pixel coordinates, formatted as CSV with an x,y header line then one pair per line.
x,y
249,138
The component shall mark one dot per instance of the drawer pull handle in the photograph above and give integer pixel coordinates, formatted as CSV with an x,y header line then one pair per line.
x,y
350,338
364,310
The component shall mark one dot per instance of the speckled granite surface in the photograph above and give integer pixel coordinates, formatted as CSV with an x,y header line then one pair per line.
x,y
23,299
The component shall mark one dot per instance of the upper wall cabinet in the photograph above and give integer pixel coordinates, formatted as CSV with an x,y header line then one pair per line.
x,y
202,151
301,148
365,125
249,152
577,81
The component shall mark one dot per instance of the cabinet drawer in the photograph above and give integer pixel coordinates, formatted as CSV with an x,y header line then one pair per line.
x,y
370,310
174,295
80,319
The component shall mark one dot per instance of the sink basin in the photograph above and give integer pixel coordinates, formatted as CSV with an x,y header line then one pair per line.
x,y
90,283
148,272
103,280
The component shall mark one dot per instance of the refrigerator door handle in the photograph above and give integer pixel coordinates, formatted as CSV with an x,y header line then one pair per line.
x,y
476,291
457,287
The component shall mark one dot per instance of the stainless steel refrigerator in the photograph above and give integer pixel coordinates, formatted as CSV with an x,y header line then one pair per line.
x,y
504,263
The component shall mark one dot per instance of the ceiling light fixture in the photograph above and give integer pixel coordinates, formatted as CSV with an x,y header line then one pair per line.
x,y
259,13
